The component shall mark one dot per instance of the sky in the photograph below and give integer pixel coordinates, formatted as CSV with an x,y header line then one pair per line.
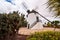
x,y
7,6
14,5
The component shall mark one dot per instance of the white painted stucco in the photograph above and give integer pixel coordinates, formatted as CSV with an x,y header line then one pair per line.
x,y
31,18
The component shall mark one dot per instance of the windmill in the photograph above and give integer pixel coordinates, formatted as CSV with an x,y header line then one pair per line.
x,y
35,12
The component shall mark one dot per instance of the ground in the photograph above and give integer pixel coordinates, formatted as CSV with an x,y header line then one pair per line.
x,y
24,32
21,37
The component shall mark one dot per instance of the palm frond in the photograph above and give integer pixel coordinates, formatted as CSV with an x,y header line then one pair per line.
x,y
54,5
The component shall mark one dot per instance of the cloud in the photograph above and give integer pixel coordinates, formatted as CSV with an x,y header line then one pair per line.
x,y
6,6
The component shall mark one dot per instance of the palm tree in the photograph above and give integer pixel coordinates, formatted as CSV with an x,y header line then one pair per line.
x,y
54,5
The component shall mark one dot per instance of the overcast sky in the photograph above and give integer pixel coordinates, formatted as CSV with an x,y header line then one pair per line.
x,y
16,5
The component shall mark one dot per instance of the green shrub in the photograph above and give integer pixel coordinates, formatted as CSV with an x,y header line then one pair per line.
x,y
55,23
23,21
49,24
10,24
48,35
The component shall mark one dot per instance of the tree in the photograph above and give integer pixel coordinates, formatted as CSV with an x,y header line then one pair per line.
x,y
48,24
14,19
56,23
54,5
10,24
3,26
23,21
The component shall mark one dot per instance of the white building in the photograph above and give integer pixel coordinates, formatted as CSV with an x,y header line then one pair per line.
x,y
34,22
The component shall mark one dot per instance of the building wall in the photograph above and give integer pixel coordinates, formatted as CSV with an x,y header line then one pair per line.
x,y
31,18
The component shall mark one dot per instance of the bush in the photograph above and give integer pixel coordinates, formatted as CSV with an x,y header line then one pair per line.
x,y
23,21
49,24
55,24
10,24
48,35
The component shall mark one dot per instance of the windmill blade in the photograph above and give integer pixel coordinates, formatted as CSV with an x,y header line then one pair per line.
x,y
36,8
40,14
24,6
44,17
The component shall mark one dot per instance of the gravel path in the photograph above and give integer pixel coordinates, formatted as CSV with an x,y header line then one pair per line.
x,y
25,31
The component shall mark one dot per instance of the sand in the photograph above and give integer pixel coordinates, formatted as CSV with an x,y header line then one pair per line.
x,y
25,31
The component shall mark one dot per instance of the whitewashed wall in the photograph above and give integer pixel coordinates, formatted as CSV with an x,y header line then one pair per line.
x,y
31,18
